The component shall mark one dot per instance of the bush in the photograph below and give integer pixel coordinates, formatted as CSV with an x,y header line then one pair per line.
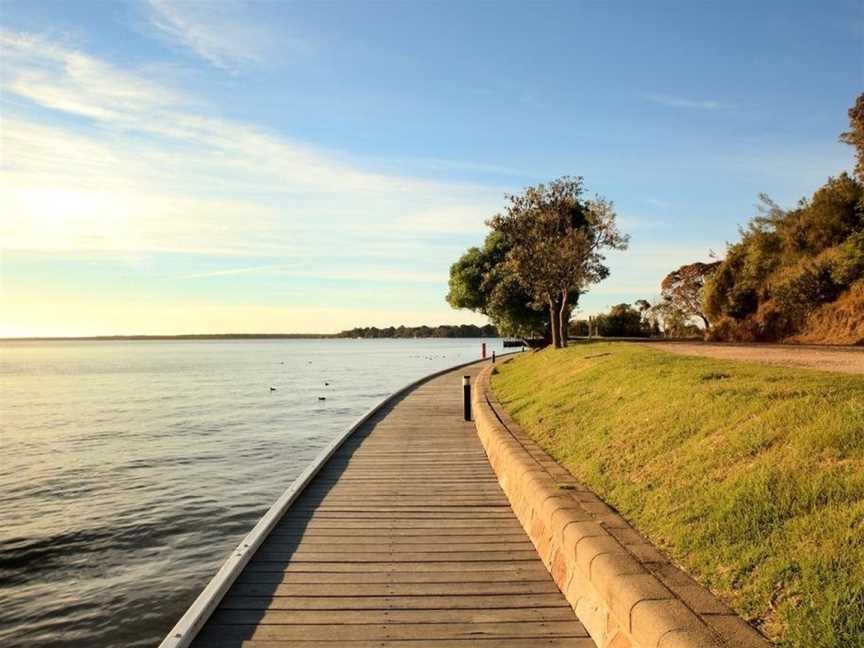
x,y
579,328
799,291
848,261
838,322
622,321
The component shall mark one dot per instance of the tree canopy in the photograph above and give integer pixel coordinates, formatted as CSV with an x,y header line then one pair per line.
x,y
855,135
557,240
542,252
479,282
441,331
681,291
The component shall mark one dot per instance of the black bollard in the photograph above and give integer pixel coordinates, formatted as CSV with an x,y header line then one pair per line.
x,y
493,357
466,396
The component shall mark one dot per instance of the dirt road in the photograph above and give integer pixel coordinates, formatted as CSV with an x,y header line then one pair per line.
x,y
843,359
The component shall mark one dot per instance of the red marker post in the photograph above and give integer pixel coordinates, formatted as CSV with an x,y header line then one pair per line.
x,y
483,350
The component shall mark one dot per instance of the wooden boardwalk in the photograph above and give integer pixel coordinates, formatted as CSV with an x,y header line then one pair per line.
x,y
403,539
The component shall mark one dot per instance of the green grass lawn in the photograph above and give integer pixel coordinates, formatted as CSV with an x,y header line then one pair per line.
x,y
750,476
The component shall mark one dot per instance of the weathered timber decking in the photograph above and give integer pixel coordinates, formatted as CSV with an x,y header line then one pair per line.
x,y
403,539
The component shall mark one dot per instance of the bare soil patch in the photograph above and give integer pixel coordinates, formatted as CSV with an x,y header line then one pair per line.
x,y
842,359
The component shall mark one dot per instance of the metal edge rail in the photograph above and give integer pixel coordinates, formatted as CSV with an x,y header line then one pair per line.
x,y
186,629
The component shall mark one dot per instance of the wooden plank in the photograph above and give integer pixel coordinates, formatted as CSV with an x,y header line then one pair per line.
x,y
526,575
270,555
482,642
358,511
425,566
365,617
394,513
274,547
404,506
397,631
391,522
425,538
395,535
369,587
364,601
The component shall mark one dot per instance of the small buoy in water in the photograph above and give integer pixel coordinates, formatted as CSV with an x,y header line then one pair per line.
x,y
326,384
322,398
272,389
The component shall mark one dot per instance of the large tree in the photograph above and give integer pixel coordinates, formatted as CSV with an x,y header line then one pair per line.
x,y
683,290
855,135
558,239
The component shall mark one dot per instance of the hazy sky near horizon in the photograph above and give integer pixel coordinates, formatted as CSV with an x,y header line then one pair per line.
x,y
178,167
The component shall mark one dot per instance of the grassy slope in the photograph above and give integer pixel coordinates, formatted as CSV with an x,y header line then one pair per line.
x,y
751,477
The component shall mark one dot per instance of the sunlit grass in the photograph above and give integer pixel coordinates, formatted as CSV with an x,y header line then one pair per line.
x,y
749,476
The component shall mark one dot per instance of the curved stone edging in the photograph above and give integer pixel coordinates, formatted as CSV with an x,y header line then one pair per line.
x,y
618,599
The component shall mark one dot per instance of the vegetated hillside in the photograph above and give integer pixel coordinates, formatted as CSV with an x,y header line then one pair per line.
x,y
795,274
750,476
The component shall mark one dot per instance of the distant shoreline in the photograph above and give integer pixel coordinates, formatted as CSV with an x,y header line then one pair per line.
x,y
441,331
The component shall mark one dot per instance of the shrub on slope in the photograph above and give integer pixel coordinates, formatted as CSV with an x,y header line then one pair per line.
x,y
840,322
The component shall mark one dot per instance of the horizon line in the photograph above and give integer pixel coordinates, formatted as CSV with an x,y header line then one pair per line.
x,y
199,336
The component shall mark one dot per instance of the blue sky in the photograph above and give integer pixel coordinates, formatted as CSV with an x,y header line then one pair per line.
x,y
230,166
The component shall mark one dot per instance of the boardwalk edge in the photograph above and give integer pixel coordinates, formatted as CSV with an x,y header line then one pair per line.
x,y
622,589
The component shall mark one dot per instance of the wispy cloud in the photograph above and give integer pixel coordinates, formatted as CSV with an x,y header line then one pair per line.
x,y
267,269
221,32
70,81
366,275
147,170
684,102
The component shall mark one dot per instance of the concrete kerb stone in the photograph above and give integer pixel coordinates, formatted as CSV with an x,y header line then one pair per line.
x,y
587,549
557,502
735,631
576,531
611,592
686,639
623,593
607,567
653,619
563,516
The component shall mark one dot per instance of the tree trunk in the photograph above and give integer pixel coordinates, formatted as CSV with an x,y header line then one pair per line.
x,y
553,324
563,319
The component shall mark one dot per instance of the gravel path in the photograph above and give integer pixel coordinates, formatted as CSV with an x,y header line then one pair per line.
x,y
843,359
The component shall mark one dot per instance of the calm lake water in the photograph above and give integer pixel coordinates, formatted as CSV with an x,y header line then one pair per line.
x,y
128,470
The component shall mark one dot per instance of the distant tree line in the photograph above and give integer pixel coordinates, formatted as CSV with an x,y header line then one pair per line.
x,y
542,252
442,331
794,274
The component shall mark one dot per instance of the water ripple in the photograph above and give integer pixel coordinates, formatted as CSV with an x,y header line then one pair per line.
x,y
131,469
